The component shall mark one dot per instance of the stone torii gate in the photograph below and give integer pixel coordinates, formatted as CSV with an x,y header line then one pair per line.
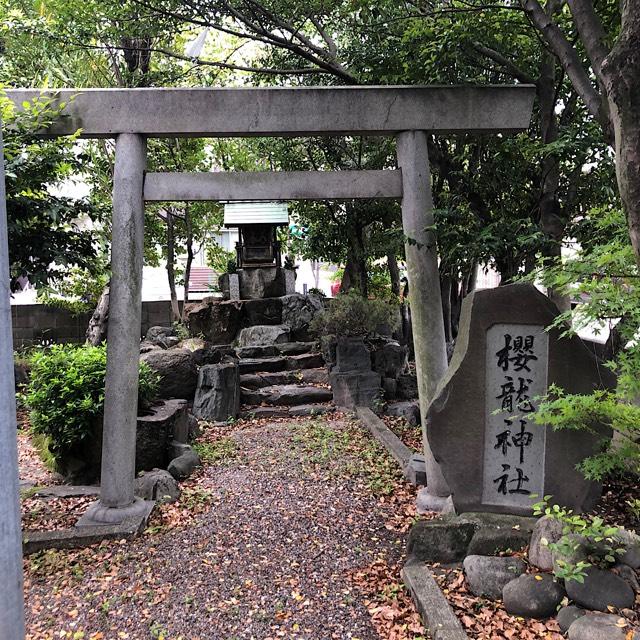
x,y
133,115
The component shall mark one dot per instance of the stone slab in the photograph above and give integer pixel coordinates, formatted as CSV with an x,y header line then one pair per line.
x,y
67,491
85,536
492,456
436,614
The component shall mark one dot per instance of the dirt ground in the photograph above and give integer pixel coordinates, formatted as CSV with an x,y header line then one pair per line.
x,y
292,529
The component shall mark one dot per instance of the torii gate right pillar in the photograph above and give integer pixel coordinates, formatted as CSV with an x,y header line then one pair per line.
x,y
424,297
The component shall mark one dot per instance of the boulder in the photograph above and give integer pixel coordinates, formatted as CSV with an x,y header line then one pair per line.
x,y
159,334
602,627
568,615
407,386
183,466
487,575
547,530
432,541
532,596
158,485
21,373
407,409
631,543
600,590
262,311
163,422
355,389
145,346
298,311
328,347
217,397
263,335
468,534
216,321
390,359
628,575
352,355
206,353
177,372
389,387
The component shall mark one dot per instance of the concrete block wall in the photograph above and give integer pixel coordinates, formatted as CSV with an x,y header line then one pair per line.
x,y
38,323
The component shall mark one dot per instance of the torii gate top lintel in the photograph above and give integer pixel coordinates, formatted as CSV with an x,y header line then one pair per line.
x,y
287,111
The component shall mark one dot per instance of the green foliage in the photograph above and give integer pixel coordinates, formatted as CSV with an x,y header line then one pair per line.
x,y
222,450
591,534
181,330
45,241
603,276
220,260
78,292
314,291
66,393
351,314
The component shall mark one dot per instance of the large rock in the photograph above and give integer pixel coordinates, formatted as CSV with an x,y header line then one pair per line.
x,y
390,359
206,353
178,374
532,596
546,530
217,322
435,541
407,386
630,541
600,590
263,335
265,311
487,575
352,355
163,423
451,538
158,485
492,456
602,627
164,337
218,393
568,615
298,311
183,466
355,389
407,409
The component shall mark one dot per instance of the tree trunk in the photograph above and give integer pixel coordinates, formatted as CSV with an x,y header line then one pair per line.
x,y
445,294
190,252
171,273
355,271
394,273
621,70
97,329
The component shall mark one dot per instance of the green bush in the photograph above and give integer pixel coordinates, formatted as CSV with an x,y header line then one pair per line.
x,y
66,393
351,314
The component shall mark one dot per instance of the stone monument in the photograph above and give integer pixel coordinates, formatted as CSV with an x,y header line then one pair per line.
x,y
493,456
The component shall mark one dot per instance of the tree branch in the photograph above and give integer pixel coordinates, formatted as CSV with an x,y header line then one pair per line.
x,y
511,68
591,33
569,59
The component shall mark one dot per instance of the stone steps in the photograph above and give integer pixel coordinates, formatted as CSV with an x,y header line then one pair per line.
x,y
286,395
281,363
283,349
286,412
268,379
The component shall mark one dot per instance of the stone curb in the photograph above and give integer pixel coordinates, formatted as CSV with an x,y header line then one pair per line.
x,y
411,466
437,616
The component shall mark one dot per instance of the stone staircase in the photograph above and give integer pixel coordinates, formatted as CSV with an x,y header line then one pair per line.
x,y
279,380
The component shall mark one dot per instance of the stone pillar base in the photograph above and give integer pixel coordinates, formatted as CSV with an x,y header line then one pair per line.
x,y
98,514
426,502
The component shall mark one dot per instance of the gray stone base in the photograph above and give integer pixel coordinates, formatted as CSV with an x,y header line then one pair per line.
x,y
78,537
355,389
98,514
426,502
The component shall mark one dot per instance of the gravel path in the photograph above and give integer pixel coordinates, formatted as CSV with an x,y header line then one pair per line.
x,y
264,544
